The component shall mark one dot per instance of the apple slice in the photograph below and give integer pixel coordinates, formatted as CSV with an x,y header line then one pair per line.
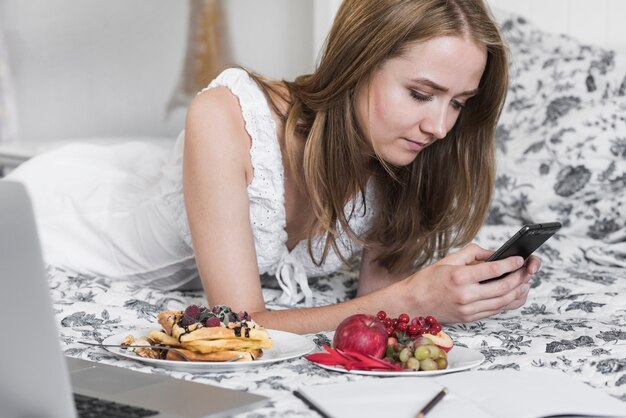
x,y
441,340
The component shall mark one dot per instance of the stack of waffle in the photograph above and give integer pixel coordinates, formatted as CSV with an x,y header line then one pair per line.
x,y
216,334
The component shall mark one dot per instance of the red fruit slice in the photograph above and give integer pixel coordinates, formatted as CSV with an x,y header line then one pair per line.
x,y
442,340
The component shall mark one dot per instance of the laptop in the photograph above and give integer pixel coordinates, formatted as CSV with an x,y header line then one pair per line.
x,y
38,381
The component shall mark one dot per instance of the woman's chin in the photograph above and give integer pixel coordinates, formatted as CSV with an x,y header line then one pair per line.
x,y
400,159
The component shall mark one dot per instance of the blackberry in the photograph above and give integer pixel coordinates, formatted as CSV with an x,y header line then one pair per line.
x,y
187,320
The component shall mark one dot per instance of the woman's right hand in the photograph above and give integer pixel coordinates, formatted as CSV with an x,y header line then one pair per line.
x,y
450,289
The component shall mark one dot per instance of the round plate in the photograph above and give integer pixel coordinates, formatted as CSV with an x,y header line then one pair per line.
x,y
285,346
459,358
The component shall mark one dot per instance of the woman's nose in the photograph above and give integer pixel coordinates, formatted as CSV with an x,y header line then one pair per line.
x,y
435,123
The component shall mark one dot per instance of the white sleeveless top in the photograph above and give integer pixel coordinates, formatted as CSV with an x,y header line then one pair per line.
x,y
135,226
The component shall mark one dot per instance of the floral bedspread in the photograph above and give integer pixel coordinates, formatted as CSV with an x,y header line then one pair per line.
x,y
574,321
561,155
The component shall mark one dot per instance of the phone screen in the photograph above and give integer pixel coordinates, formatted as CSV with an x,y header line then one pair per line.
x,y
524,242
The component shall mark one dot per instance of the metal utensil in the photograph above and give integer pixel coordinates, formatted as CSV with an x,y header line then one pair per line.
x,y
125,346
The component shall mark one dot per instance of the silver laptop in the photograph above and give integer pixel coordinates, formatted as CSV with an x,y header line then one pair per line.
x,y
37,380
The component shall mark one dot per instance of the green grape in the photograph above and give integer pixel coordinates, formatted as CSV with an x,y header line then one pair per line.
x,y
405,354
413,363
434,351
428,364
442,363
422,352
389,352
425,341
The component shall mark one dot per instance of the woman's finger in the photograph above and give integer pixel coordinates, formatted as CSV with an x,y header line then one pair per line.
x,y
490,270
497,304
468,255
533,264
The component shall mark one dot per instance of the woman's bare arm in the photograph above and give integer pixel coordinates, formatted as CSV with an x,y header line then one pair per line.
x,y
372,276
216,172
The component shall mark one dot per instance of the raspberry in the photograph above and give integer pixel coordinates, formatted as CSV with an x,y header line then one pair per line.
x,y
212,322
193,311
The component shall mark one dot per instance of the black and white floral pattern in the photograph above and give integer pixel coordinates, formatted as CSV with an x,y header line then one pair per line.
x,y
562,136
562,147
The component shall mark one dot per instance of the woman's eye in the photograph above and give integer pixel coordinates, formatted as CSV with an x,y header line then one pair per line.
x,y
458,105
420,97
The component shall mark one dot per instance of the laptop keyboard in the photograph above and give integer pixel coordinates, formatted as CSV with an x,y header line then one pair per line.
x,y
90,407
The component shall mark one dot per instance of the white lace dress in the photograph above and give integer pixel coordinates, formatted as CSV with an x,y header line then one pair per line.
x,y
118,211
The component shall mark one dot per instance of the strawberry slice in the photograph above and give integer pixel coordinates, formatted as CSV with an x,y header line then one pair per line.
x,y
351,360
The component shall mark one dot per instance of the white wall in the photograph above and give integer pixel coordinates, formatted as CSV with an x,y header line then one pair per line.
x,y
102,68
600,22
93,68
107,68
272,37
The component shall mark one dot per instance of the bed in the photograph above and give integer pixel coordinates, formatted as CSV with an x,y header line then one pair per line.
x,y
561,156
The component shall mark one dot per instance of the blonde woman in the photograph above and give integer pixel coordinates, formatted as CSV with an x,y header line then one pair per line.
x,y
388,148
388,145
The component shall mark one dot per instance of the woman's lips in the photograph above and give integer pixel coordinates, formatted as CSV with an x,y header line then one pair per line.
x,y
414,146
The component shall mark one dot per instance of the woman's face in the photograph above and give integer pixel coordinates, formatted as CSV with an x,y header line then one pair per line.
x,y
414,99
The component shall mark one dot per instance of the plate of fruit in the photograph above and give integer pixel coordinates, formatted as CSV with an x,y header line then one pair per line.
x,y
403,346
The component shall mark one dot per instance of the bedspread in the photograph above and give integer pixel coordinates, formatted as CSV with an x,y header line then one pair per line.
x,y
574,321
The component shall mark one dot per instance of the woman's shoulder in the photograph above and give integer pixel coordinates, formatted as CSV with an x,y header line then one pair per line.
x,y
215,128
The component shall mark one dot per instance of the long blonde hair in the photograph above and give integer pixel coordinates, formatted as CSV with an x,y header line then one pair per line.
x,y
435,203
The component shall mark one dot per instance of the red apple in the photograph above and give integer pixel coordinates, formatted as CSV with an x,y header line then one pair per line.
x,y
362,333
441,340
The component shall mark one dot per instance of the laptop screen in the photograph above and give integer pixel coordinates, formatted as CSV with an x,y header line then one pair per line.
x,y
34,381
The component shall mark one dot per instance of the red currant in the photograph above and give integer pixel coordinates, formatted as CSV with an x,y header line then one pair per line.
x,y
394,322
435,329
390,332
402,326
430,320
421,321
404,318
388,323
381,315
413,330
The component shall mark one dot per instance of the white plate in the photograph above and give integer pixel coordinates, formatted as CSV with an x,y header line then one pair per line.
x,y
459,358
285,346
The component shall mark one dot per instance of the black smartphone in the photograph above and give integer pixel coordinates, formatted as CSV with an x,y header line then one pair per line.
x,y
524,242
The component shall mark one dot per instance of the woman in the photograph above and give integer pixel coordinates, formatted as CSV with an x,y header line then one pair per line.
x,y
404,105
388,146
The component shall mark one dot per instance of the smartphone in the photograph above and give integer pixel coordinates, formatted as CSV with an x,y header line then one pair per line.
x,y
524,242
